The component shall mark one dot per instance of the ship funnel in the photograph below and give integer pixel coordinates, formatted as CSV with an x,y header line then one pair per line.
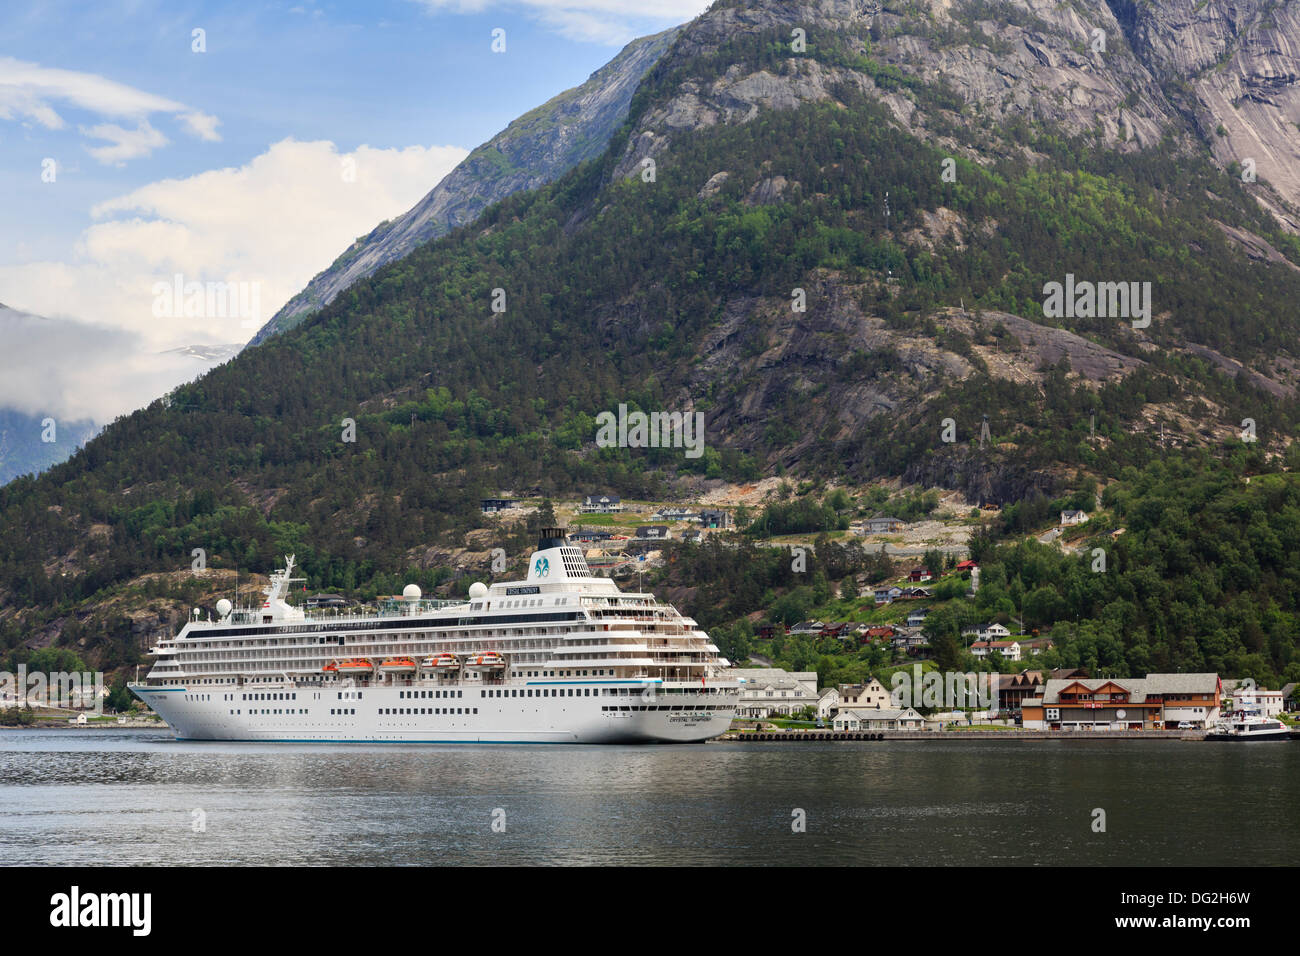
x,y
552,538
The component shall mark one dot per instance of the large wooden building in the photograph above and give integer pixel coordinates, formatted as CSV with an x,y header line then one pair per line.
x,y
1158,701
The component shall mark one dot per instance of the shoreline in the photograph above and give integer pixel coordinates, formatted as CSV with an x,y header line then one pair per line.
x,y
883,735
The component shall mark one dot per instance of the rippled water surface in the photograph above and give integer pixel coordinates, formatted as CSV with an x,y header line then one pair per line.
x,y
129,797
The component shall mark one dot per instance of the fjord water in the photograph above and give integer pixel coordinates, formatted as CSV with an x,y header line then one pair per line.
x,y
130,797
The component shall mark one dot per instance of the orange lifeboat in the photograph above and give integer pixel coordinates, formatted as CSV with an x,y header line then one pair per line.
x,y
331,668
442,662
356,665
489,660
398,665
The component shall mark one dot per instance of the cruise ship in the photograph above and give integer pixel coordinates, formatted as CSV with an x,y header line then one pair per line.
x,y
560,657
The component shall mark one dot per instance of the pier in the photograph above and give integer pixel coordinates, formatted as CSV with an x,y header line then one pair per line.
x,y
807,736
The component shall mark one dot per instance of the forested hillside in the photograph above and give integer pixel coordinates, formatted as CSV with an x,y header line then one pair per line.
x,y
1204,577
675,292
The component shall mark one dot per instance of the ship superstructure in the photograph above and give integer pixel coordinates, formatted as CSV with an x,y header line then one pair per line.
x,y
560,657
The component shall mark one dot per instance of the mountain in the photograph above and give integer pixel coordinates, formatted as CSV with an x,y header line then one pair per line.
x,y
535,149
841,256
29,445
209,354
65,378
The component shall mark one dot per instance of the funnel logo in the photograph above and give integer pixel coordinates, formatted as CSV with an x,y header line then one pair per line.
x,y
542,568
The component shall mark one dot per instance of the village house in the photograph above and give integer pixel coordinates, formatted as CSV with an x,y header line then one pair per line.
x,y
917,617
914,594
871,694
1014,689
692,535
828,703
586,536
491,506
807,627
966,566
653,532
1034,645
919,574
674,514
887,594
715,518
1010,650
1155,702
773,692
600,504
909,640
884,525
1073,517
853,719
989,632
1241,698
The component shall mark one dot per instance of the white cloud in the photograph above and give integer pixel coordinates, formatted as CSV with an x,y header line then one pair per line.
x,y
202,125
127,143
72,370
272,223
29,91
607,22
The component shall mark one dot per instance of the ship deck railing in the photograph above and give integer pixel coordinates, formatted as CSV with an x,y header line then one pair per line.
x,y
387,610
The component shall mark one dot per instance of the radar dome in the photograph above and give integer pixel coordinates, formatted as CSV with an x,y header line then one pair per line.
x,y
223,607
478,590
411,592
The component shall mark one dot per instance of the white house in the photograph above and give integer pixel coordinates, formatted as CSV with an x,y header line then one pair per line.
x,y
989,632
828,703
601,504
1268,703
1010,650
871,694
773,692
872,719
1073,517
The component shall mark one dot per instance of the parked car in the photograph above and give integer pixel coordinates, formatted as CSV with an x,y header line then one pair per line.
x,y
1186,725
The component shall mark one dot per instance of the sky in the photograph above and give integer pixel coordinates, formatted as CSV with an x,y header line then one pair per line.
x,y
239,143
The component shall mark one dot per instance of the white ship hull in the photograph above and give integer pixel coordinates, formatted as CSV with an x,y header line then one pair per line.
x,y
380,715
561,657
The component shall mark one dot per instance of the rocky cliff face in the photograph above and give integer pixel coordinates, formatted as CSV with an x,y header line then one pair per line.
x,y
1234,66
1219,73
1040,60
1223,73
533,150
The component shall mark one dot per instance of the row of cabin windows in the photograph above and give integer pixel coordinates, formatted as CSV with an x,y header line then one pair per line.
x,y
411,694
570,673
394,711
269,710
672,707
